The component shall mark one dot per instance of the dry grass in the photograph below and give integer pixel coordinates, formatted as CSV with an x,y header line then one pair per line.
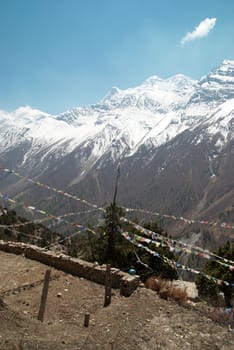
x,y
166,290
154,283
179,295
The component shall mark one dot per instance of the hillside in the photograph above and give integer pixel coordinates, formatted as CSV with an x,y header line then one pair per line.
x,y
173,138
142,321
16,228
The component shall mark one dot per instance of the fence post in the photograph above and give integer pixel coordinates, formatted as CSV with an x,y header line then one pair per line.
x,y
86,319
44,295
107,300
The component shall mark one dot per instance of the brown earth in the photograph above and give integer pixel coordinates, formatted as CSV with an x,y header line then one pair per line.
x,y
142,321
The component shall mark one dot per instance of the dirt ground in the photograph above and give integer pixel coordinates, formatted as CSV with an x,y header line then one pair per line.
x,y
142,321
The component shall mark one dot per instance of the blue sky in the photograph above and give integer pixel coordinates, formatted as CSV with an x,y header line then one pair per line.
x,y
59,54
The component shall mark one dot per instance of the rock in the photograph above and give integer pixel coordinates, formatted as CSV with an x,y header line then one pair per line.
x,y
59,295
163,293
146,338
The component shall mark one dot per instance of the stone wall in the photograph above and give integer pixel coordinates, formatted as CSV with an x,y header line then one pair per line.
x,y
96,273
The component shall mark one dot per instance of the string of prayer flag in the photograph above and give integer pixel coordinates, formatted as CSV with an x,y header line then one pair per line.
x,y
188,221
51,188
158,244
43,212
58,220
171,243
174,264
166,216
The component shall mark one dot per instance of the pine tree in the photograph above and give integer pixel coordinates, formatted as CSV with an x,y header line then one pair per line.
x,y
210,288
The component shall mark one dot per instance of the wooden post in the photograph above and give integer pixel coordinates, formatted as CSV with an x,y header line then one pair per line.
x,y
107,300
44,295
86,319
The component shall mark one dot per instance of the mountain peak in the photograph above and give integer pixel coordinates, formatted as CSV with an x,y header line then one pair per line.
x,y
225,68
29,112
181,80
153,80
178,81
228,63
113,91
221,77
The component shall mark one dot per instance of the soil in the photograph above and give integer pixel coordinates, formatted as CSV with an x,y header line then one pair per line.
x,y
142,321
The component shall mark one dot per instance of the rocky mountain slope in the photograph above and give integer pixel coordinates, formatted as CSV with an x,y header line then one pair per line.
x,y
174,139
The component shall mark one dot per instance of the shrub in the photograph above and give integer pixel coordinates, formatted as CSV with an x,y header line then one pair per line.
x,y
166,290
154,283
179,295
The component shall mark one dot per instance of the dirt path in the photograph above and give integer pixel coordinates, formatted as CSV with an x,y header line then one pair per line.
x,y
143,321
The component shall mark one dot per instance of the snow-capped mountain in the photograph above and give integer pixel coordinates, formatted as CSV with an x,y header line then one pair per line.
x,y
147,128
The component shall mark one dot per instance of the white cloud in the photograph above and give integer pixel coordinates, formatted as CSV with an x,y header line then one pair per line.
x,y
200,31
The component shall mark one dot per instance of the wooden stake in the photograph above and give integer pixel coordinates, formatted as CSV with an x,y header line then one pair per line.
x,y
44,295
86,319
107,300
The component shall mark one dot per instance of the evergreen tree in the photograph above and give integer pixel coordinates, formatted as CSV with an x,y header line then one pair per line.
x,y
210,288
156,264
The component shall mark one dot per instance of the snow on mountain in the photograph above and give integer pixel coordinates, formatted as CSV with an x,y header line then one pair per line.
x,y
216,87
39,128
154,94
150,114
222,122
